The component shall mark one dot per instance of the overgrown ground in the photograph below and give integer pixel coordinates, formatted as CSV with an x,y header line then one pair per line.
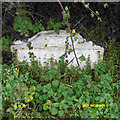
x,y
39,92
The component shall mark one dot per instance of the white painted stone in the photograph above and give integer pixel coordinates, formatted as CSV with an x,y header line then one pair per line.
x,y
56,48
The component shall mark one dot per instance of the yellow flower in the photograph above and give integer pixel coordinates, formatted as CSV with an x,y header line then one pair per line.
x,y
73,31
19,106
16,69
24,106
8,73
15,116
5,69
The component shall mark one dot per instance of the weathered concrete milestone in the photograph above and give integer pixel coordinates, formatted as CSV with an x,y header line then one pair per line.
x,y
47,44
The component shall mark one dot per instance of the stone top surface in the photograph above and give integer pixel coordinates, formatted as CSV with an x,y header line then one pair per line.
x,y
47,44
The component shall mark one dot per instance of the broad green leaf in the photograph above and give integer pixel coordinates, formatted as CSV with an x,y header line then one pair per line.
x,y
44,89
64,13
42,28
65,106
82,58
45,107
55,104
51,92
75,38
64,93
61,112
70,91
55,83
48,86
51,22
54,111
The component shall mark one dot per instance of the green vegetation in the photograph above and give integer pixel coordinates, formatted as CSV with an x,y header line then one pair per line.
x,y
34,91
61,95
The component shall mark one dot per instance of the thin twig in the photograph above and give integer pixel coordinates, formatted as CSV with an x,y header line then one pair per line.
x,y
70,35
